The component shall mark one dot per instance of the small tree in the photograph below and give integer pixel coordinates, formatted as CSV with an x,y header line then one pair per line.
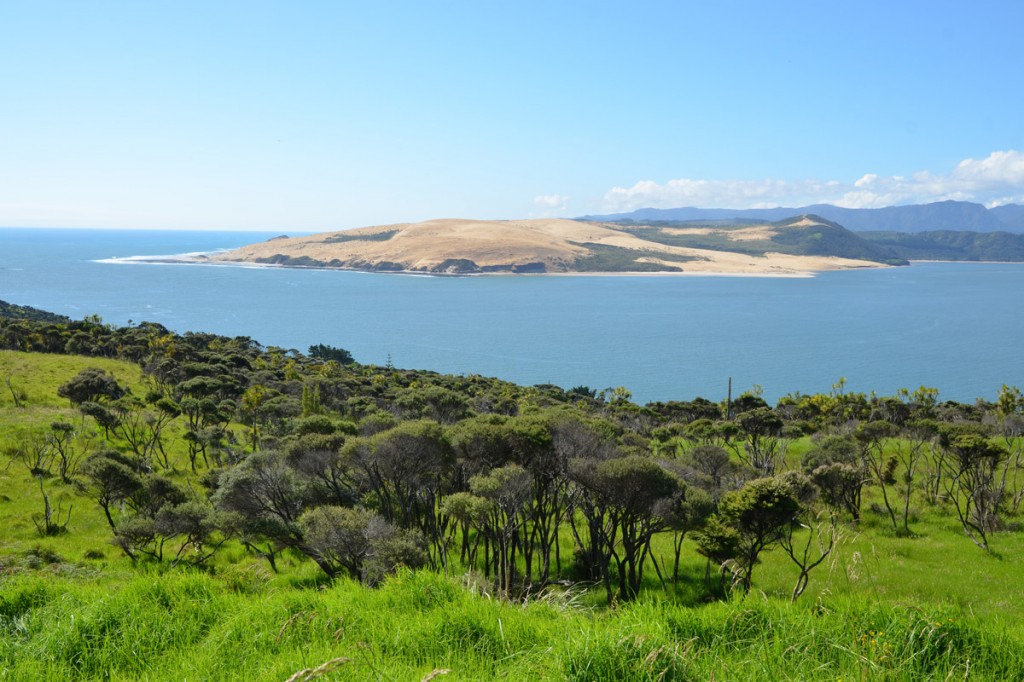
x,y
971,468
390,549
510,490
110,480
338,534
406,469
263,498
468,512
836,468
142,428
34,449
138,530
194,526
822,535
18,395
105,417
719,542
1010,415
137,535
63,438
916,437
761,513
362,543
688,512
51,522
324,352
762,441
873,437
705,431
713,462
91,385
628,500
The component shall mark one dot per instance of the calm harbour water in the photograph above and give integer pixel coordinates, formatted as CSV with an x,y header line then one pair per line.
x,y
955,326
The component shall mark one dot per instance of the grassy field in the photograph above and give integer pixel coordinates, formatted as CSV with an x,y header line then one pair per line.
x,y
36,378
72,606
240,626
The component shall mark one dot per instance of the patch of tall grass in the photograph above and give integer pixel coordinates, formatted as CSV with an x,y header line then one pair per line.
x,y
183,625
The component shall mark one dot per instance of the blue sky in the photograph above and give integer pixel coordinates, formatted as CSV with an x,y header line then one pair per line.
x,y
322,115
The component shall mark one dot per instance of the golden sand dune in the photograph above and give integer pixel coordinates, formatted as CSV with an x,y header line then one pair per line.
x,y
550,246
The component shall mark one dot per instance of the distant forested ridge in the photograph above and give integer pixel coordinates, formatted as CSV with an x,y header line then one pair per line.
x,y
804,235
940,215
828,238
24,312
951,245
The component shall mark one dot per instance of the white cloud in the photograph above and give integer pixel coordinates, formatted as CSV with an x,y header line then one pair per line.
x,y
551,201
999,177
717,193
549,205
996,179
998,168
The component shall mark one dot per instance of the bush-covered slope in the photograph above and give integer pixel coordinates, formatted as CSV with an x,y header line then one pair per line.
x,y
233,511
807,235
826,238
951,245
24,312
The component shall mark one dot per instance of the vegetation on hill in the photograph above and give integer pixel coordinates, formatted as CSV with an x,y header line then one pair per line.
x,y
953,246
606,258
24,312
171,500
808,235
382,236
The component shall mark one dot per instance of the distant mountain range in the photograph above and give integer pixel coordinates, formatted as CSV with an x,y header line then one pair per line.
x,y
939,216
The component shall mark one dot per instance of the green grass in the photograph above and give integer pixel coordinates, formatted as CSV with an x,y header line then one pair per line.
x,y
886,607
194,626
606,258
40,375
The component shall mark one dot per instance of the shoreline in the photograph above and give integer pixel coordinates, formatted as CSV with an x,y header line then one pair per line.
x,y
197,259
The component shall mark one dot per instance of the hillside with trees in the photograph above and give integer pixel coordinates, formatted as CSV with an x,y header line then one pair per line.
x,y
25,312
952,246
804,235
225,508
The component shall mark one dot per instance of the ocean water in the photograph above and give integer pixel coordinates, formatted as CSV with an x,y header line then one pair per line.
x,y
956,326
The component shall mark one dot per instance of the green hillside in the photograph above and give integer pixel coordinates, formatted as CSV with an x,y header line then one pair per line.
x,y
800,236
952,245
201,507
24,312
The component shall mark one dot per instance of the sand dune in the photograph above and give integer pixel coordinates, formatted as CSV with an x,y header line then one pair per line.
x,y
550,246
